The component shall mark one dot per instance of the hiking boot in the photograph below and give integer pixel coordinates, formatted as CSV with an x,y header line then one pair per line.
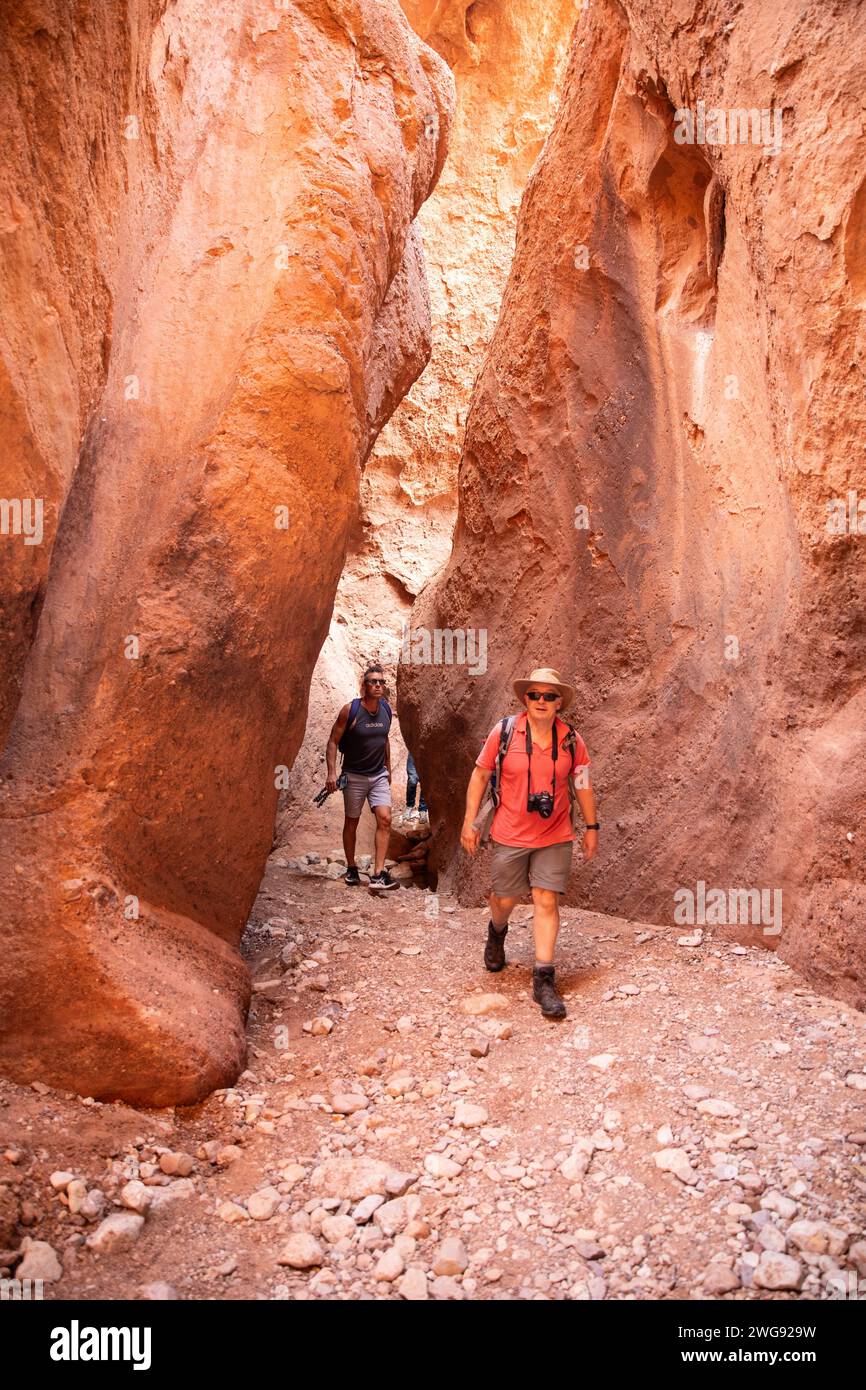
x,y
494,951
382,880
545,993
351,876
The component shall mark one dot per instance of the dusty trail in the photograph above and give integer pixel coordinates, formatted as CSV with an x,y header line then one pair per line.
x,y
516,1158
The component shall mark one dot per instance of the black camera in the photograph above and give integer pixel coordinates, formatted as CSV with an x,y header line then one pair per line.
x,y
542,802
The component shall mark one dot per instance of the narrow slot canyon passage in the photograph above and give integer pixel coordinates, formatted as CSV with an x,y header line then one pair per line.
x,y
357,351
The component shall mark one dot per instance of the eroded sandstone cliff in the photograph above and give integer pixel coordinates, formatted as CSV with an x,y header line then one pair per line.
x,y
214,295
671,401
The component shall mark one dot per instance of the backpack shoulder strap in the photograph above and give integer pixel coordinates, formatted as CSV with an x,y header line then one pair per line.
x,y
570,741
390,711
351,720
506,733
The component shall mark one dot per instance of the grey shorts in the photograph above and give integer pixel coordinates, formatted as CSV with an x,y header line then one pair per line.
x,y
514,870
375,790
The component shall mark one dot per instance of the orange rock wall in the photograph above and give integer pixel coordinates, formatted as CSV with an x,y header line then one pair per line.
x,y
216,296
680,353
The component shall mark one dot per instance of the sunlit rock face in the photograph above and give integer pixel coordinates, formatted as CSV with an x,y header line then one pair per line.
x,y
671,402
213,297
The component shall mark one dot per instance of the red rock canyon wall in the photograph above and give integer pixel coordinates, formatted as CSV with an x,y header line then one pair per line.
x,y
213,296
673,397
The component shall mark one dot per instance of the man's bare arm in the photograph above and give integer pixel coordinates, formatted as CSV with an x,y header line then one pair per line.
x,y
586,798
337,732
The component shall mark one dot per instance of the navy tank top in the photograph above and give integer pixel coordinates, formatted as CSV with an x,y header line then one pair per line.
x,y
363,743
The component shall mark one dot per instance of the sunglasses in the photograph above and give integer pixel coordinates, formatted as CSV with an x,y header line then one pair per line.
x,y
377,681
548,696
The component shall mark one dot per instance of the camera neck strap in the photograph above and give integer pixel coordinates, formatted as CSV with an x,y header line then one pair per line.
x,y
553,752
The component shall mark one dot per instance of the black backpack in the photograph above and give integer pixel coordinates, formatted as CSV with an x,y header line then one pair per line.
x,y
490,800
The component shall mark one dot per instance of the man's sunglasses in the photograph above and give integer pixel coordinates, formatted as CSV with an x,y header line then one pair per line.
x,y
548,696
377,681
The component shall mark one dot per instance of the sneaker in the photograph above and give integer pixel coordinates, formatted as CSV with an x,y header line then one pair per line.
x,y
352,877
382,880
494,951
545,993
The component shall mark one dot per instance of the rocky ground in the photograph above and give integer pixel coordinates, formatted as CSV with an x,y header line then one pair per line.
x,y
411,1127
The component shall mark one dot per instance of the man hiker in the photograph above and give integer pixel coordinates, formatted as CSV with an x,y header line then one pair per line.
x,y
531,758
412,786
361,733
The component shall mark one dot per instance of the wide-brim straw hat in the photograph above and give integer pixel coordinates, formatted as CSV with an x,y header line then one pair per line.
x,y
545,675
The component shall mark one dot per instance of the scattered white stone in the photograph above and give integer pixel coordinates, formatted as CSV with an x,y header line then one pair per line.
x,y
180,1189
176,1164
451,1257
496,1028
694,939
263,1204
413,1285
389,1266
157,1292
93,1205
676,1161
857,1080
336,1228
391,1217
136,1197
301,1251
348,1103
61,1180
467,1116
777,1271
694,1091
771,1238
444,1287
119,1231
819,1237
776,1201
665,1136
477,1004
438,1166
398,1182
718,1279
293,1173
364,1210
351,1178
231,1212
76,1193
399,1083
722,1109
602,1061
40,1262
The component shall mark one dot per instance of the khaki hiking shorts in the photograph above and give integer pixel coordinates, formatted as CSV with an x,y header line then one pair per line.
x,y
375,790
515,869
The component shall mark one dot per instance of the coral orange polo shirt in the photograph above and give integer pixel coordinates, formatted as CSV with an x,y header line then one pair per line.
x,y
512,823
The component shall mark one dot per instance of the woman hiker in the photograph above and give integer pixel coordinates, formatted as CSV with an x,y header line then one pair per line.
x,y
534,755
